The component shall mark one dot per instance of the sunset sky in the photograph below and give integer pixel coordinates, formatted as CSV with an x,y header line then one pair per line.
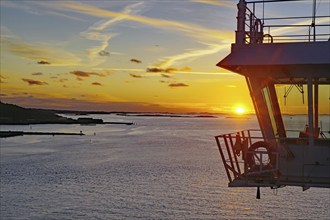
x,y
124,55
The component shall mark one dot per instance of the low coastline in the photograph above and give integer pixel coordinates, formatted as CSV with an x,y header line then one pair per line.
x,y
168,115
16,115
6,134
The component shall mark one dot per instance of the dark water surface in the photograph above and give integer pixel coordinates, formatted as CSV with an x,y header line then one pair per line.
x,y
159,168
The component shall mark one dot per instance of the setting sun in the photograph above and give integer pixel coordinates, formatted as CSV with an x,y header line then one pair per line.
x,y
239,110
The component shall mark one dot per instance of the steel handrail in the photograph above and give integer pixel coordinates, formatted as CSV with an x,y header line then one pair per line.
x,y
253,35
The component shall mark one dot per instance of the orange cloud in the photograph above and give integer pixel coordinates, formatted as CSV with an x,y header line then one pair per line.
x,y
173,85
165,75
167,70
79,73
2,77
96,84
42,62
135,61
135,75
170,70
34,82
158,70
37,74
186,69
154,70
104,53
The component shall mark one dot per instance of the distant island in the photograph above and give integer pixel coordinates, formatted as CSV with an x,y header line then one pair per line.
x,y
15,115
169,115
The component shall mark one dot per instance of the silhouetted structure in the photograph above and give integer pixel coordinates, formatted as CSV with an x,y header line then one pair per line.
x,y
270,157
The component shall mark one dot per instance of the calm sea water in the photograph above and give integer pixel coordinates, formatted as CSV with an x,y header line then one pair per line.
x,y
159,168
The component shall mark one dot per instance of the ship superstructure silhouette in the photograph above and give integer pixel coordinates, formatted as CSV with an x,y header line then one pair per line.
x,y
271,157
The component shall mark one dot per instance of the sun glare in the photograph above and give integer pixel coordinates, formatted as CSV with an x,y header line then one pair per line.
x,y
239,110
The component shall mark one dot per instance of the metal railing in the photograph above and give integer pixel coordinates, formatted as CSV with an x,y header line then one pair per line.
x,y
237,167
261,29
236,153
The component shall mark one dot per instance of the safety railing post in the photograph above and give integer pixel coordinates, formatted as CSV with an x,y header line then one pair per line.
x,y
223,158
230,157
235,157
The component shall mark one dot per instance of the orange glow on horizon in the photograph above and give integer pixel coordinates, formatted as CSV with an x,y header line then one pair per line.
x,y
239,110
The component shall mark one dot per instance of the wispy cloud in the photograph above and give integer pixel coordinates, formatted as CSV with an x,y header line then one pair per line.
x,y
213,38
111,70
99,32
32,82
37,52
64,15
189,28
304,29
94,52
21,6
154,71
1,79
226,4
62,80
171,60
205,73
34,8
